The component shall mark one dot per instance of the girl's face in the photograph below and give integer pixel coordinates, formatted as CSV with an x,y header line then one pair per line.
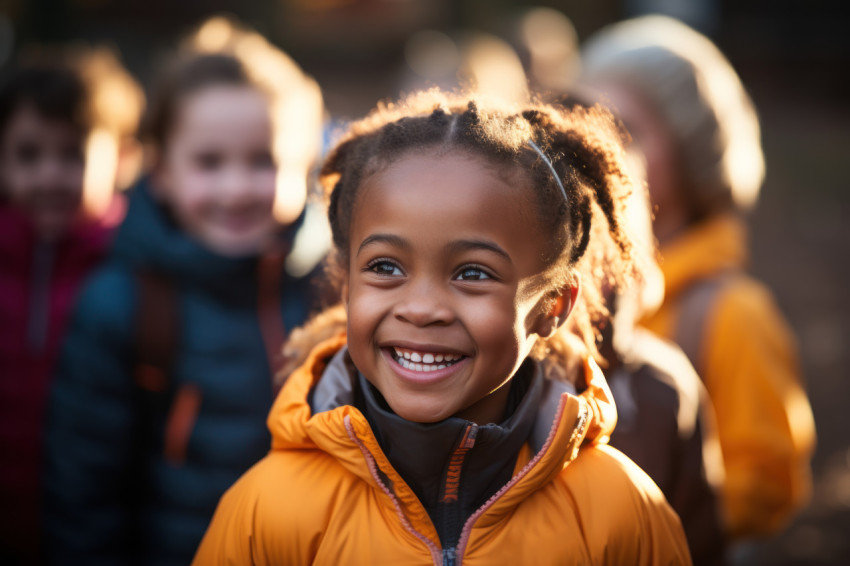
x,y
217,172
42,166
442,289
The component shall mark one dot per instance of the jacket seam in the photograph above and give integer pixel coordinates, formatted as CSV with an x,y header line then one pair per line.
x,y
436,554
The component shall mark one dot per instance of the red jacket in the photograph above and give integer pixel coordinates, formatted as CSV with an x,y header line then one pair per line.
x,y
38,283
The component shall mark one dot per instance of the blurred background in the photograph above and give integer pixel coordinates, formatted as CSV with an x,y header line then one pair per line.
x,y
794,58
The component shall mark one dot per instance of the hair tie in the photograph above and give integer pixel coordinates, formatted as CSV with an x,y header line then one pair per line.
x,y
548,163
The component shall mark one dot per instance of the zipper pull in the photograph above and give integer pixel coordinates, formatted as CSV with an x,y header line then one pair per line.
x,y
451,483
449,557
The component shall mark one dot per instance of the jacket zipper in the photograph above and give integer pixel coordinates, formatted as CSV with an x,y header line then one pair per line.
x,y
451,481
453,556
451,492
581,422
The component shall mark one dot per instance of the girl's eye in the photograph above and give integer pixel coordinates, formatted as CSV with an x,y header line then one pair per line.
x,y
472,274
27,154
208,161
386,268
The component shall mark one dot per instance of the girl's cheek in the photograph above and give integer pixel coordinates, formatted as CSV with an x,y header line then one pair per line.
x,y
194,202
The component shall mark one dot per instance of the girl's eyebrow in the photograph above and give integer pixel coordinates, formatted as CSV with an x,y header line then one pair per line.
x,y
391,239
467,245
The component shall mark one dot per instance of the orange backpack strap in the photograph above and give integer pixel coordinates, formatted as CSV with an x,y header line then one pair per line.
x,y
157,344
695,306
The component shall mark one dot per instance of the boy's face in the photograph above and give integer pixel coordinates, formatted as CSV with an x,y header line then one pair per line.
x,y
42,167
217,172
442,295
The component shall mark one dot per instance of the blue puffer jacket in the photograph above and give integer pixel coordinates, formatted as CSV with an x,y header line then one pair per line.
x,y
113,495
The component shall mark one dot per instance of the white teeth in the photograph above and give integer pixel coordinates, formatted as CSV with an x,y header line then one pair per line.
x,y
424,362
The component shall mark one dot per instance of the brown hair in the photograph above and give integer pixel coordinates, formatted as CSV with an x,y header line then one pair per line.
x,y
583,145
221,51
184,77
57,93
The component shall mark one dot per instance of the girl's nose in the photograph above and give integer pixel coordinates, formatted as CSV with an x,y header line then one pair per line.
x,y
235,185
425,304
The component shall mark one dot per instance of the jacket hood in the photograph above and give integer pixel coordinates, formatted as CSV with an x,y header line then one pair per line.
x,y
150,239
315,411
716,245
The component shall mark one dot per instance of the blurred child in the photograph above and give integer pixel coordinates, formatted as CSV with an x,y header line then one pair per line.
x,y
547,44
49,241
692,119
442,426
665,422
164,382
477,61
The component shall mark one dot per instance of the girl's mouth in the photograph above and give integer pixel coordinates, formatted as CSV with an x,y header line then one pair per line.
x,y
415,360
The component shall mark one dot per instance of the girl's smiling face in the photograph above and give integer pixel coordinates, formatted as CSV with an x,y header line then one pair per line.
x,y
443,290
217,172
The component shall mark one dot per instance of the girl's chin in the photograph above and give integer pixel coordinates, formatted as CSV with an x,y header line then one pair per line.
x,y
418,415
236,245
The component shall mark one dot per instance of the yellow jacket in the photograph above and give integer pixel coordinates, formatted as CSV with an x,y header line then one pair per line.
x,y
326,494
746,355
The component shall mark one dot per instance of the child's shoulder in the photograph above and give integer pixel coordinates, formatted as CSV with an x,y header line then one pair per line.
x,y
604,479
621,509
293,487
604,465
282,505
108,296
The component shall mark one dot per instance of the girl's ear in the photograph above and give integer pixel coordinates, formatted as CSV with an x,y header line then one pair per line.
x,y
549,322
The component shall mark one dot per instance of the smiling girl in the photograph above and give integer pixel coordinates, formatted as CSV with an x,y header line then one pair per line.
x,y
165,379
453,422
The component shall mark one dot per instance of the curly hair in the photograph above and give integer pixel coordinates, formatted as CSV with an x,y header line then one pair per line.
x,y
584,147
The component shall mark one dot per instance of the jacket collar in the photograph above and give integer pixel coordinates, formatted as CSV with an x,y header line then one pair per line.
x,y
454,465
87,237
149,238
334,425
716,245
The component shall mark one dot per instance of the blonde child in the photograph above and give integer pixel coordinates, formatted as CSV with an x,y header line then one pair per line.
x,y
164,380
442,426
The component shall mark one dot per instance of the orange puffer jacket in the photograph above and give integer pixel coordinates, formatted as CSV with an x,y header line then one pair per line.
x,y
326,494
744,351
